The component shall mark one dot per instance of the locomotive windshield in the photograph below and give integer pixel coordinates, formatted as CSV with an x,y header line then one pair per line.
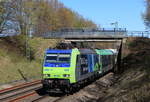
x,y
51,58
65,58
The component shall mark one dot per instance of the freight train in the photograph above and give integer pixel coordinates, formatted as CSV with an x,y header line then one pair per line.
x,y
70,68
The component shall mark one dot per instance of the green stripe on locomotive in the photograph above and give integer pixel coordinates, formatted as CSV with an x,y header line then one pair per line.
x,y
104,52
59,72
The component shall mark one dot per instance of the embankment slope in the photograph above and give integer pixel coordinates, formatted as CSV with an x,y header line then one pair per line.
x,y
13,57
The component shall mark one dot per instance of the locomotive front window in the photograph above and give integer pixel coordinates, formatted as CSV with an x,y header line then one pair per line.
x,y
60,58
64,58
51,58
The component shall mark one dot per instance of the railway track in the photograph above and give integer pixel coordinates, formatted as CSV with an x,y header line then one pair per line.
x,y
33,92
34,97
19,90
27,92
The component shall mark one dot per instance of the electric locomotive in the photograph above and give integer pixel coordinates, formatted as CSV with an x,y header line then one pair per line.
x,y
68,69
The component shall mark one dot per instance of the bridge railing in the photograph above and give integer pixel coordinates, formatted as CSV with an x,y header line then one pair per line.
x,y
144,34
85,33
92,30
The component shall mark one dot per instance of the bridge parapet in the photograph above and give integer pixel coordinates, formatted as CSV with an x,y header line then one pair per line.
x,y
87,33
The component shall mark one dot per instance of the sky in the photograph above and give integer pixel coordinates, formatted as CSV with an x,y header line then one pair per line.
x,y
128,13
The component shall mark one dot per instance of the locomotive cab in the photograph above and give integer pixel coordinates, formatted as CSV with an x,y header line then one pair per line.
x,y
58,68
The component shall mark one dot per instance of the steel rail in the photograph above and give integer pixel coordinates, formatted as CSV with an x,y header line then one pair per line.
x,y
17,94
22,97
20,86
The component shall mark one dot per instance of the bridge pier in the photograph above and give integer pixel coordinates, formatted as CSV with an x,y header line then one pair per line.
x,y
119,67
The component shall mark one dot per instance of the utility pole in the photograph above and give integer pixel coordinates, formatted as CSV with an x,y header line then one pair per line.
x,y
28,34
24,14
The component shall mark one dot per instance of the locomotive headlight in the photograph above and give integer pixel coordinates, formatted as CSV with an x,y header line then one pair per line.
x,y
46,75
66,75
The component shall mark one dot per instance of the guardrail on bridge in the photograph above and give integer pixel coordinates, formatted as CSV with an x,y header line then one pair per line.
x,y
144,34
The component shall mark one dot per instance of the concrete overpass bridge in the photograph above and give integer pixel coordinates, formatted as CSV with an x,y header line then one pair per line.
x,y
88,34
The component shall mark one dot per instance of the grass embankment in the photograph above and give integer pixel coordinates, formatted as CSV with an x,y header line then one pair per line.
x,y
134,83
12,57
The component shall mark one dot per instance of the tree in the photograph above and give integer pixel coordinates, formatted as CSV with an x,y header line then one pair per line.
x,y
82,22
146,16
66,18
42,16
